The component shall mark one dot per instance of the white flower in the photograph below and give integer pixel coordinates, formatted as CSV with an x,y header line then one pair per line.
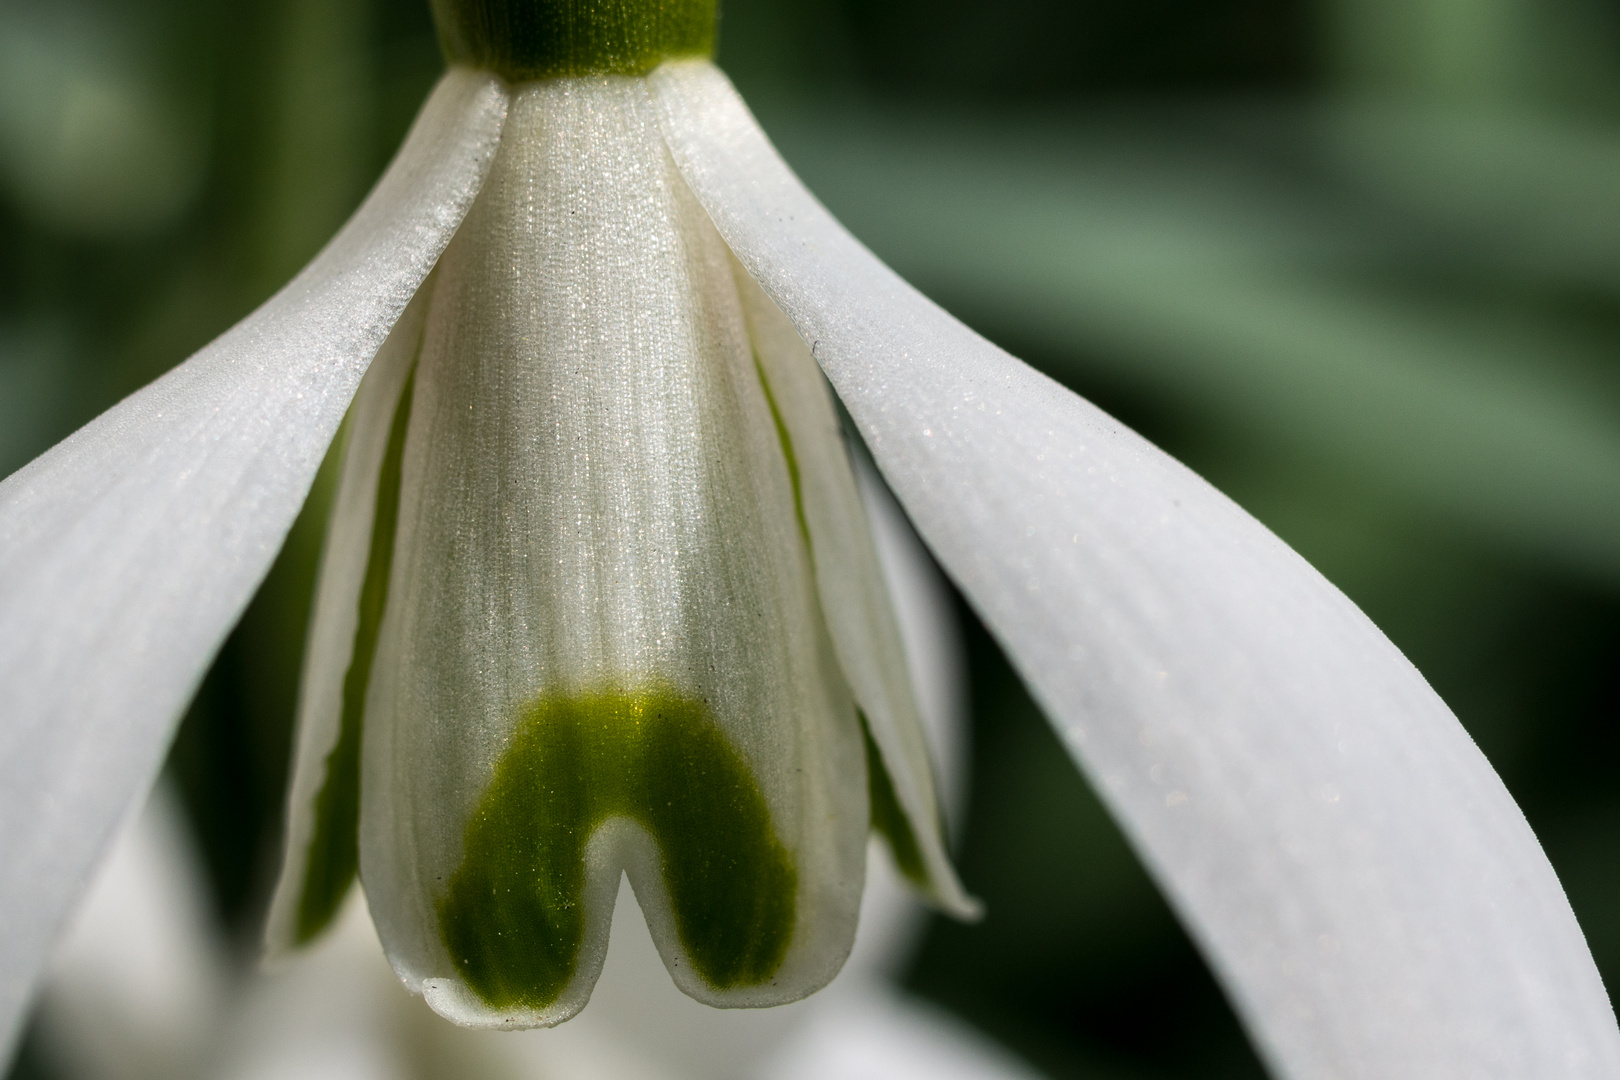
x,y
622,508
140,988
1372,899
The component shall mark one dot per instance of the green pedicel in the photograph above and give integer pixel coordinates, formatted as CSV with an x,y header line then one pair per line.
x,y
334,847
512,918
543,39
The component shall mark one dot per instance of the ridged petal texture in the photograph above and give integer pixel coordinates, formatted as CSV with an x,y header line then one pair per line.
x,y
1366,889
602,650
129,550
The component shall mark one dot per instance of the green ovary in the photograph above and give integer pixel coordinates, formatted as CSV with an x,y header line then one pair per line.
x,y
513,918
545,39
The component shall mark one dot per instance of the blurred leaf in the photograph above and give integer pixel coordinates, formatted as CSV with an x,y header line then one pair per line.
x,y
1534,192
33,385
89,140
1245,298
1490,52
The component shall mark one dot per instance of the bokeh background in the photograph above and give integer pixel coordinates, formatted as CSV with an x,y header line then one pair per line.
x,y
1355,261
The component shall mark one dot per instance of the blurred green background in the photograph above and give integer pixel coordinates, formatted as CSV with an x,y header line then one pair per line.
x,y
1355,261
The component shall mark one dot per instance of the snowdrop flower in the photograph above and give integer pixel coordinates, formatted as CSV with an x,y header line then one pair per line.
x,y
140,988
584,186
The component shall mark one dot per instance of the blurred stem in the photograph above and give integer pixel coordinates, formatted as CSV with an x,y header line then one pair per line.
x,y
319,151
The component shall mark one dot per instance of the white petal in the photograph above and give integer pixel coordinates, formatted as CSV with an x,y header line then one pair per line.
x,y
873,1033
854,596
635,1011
596,519
329,654
935,654
135,987
332,1012
128,550
1362,882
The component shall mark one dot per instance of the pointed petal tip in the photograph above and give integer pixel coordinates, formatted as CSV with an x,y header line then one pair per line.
x,y
960,905
946,895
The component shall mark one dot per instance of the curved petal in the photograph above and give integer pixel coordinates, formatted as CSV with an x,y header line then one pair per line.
x,y
129,549
1373,900
925,609
635,1008
855,600
601,653
319,858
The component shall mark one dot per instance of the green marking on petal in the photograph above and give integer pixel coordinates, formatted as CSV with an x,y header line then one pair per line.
x,y
334,851
544,39
512,918
889,818
786,440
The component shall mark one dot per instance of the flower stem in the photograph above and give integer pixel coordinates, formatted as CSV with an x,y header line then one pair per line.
x,y
540,39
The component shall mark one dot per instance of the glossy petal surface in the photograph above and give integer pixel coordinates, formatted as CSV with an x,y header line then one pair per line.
x,y
129,549
1365,887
